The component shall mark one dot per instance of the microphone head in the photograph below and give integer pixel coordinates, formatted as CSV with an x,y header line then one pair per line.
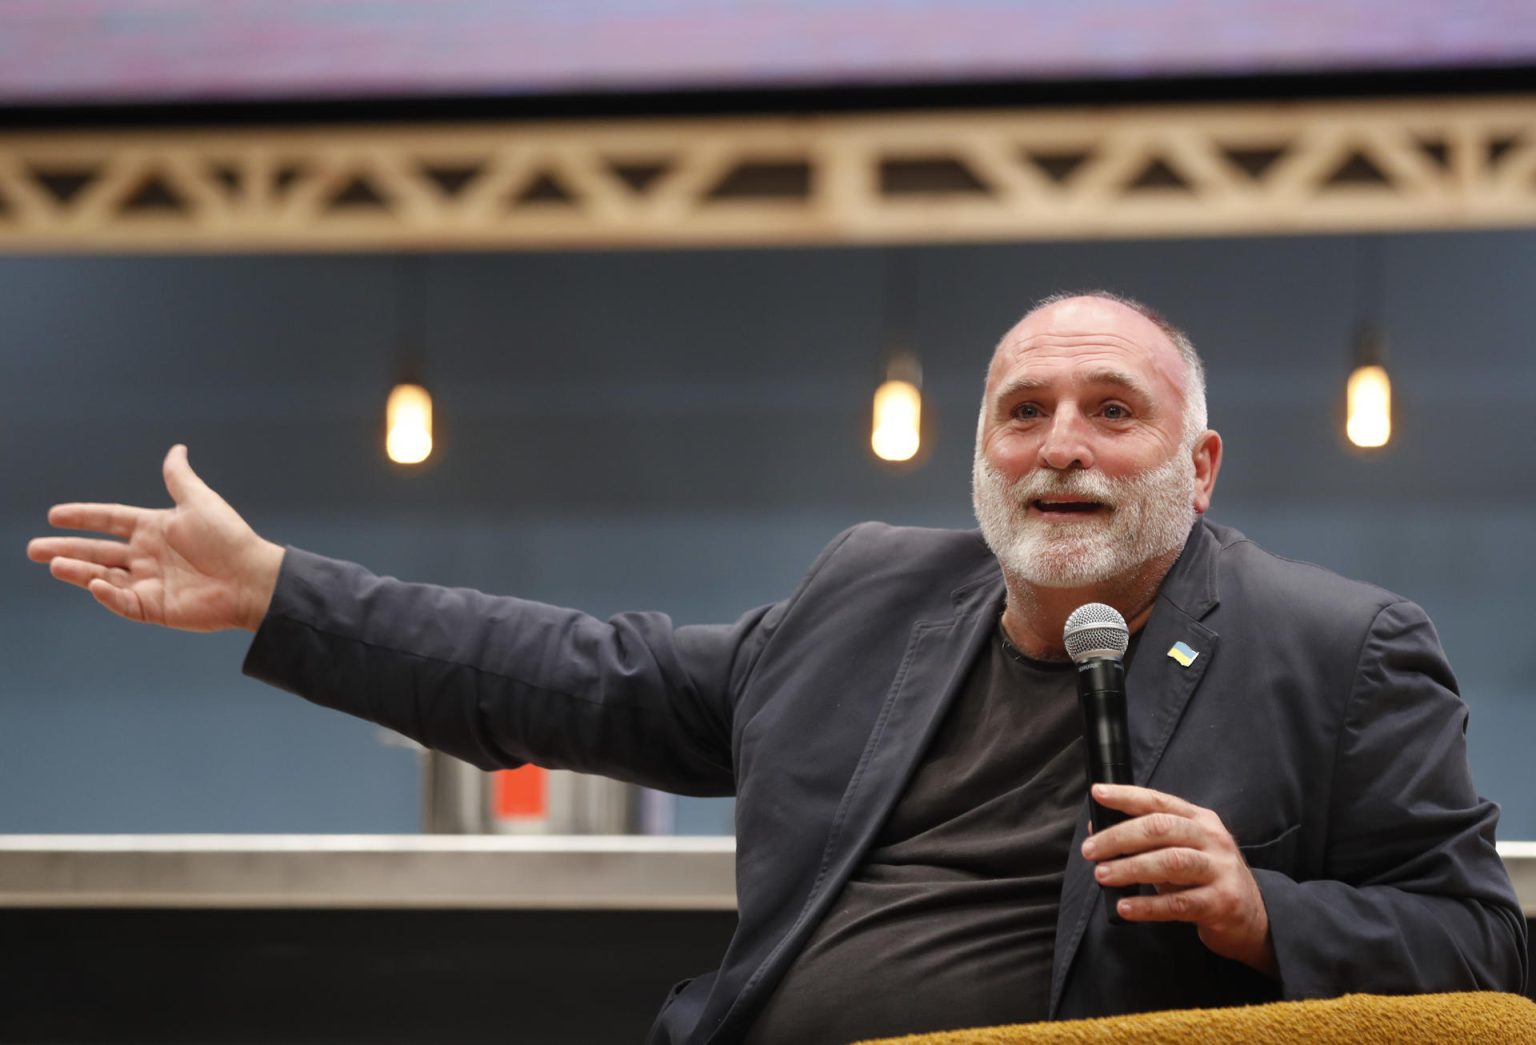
x,y
1095,630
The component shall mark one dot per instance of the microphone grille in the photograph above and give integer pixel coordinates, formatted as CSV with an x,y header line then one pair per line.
x,y
1095,629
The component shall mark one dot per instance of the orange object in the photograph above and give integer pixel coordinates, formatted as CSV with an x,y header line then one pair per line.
x,y
522,794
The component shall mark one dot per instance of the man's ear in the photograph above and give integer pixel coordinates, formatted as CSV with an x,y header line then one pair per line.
x,y
1207,458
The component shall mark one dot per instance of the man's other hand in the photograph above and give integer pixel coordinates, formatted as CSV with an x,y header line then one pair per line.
x,y
1192,860
197,566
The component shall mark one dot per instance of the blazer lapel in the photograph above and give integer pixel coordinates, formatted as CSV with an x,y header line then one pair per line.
x,y
1158,688
938,655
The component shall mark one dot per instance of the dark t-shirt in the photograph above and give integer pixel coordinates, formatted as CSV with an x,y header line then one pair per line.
x,y
951,920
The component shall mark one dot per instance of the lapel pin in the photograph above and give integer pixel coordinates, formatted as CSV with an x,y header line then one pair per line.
x,y
1183,654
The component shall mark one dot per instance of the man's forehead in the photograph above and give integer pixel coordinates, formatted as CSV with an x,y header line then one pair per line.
x,y
1089,327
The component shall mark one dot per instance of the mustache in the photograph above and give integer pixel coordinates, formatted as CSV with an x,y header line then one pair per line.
x,y
1086,486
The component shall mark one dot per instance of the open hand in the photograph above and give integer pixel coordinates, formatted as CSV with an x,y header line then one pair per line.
x,y
197,566
1189,856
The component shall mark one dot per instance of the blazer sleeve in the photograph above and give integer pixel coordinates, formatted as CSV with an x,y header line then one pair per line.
x,y
500,682
1413,897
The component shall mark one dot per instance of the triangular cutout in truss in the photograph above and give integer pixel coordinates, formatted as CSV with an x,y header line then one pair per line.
x,y
1356,169
1157,175
1438,151
452,179
544,189
639,176
357,194
1498,147
1255,162
285,176
63,185
1058,166
227,177
781,180
940,175
154,195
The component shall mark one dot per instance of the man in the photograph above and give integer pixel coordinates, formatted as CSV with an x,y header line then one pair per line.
x,y
902,738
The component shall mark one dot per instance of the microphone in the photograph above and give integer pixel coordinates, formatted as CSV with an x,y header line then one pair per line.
x,y
1096,639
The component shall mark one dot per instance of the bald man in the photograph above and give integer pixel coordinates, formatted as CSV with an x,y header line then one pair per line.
x,y
902,734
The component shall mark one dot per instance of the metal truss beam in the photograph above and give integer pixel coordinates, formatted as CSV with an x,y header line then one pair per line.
x,y
917,177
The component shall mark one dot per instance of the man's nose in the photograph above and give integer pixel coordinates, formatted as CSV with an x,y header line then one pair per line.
x,y
1066,443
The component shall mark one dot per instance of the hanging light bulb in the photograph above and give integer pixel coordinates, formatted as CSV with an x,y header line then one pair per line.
x,y
1368,396
898,411
408,424
408,411
1370,407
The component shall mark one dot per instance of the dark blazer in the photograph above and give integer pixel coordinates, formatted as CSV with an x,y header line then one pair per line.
x,y
1319,720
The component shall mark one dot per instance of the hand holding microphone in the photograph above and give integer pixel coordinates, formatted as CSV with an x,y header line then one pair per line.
x,y
1145,837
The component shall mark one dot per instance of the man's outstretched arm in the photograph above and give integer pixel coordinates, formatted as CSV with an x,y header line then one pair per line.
x,y
197,566
496,681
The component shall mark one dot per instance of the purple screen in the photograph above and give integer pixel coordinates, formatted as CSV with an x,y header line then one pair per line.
x,y
82,51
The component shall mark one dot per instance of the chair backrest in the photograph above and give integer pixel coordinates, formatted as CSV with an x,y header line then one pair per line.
x,y
1468,1018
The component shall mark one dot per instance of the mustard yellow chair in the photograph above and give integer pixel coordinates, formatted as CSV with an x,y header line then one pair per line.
x,y
1470,1018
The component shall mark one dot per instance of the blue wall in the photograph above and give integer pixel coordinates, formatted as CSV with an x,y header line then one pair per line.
x,y
682,432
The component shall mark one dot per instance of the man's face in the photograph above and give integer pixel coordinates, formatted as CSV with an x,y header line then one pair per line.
x,y
1082,475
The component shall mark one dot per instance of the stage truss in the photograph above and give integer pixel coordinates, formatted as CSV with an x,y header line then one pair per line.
x,y
839,179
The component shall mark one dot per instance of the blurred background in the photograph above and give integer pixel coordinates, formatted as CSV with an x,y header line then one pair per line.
x,y
241,225
682,429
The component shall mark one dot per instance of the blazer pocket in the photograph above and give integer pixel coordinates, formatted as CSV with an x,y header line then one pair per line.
x,y
1277,854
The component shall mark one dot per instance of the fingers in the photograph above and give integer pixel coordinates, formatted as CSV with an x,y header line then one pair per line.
x,y
1190,856
107,584
120,601
105,553
1146,833
1141,800
180,480
116,519
1178,868
1190,905
81,574
1158,821
1230,916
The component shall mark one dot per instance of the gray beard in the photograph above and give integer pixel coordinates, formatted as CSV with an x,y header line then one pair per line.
x,y
1152,514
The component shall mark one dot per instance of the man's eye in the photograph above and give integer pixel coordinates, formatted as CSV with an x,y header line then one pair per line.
x,y
1026,411
1116,412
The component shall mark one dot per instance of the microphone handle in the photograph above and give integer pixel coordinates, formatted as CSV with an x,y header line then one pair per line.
x,y
1103,816
1101,697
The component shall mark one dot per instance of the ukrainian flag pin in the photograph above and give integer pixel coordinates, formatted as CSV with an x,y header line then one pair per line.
x,y
1183,654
